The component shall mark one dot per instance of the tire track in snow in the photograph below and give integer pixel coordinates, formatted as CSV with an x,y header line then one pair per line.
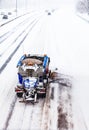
x,y
54,102
50,114
12,54
64,108
15,39
12,20
38,116
14,29
16,119
26,116
45,114
10,113
65,115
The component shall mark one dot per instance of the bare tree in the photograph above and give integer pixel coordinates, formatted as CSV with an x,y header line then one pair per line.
x,y
83,6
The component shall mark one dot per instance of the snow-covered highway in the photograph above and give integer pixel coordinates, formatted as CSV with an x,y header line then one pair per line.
x,y
63,36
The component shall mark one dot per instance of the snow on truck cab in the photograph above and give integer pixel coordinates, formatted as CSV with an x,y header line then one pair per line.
x,y
33,73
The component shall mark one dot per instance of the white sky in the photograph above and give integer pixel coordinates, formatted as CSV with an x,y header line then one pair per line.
x,y
34,3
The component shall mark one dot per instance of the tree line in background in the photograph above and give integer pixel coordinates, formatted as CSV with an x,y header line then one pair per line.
x,y
83,6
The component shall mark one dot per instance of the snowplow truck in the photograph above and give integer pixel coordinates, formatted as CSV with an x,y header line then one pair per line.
x,y
33,74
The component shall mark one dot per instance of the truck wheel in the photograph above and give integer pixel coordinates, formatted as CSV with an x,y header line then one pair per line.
x,y
19,95
49,74
44,95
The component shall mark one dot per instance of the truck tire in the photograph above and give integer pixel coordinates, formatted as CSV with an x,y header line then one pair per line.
x,y
19,95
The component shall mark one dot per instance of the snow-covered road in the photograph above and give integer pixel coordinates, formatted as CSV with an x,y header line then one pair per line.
x,y
63,36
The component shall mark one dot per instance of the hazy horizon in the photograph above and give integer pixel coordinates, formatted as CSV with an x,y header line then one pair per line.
x,y
5,4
